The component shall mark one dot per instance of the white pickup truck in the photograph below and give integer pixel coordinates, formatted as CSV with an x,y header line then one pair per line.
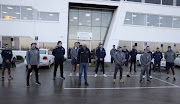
x,y
46,58
163,61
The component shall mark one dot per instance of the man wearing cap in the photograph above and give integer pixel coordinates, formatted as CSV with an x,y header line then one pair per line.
x,y
145,64
133,54
157,59
170,56
119,59
126,52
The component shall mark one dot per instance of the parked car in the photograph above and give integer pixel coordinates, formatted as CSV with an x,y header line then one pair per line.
x,y
46,58
177,60
163,61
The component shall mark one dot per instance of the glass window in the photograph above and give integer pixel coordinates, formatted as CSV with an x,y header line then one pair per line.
x,y
176,22
96,19
0,11
10,12
106,19
84,29
153,1
28,13
178,2
139,19
73,32
49,16
135,0
73,18
128,18
96,32
42,51
85,18
165,21
152,20
103,32
167,2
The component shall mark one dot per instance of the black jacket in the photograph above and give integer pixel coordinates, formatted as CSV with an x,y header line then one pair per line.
x,y
100,53
7,55
84,56
58,52
133,54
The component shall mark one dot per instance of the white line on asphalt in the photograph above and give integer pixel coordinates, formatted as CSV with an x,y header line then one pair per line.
x,y
123,88
103,75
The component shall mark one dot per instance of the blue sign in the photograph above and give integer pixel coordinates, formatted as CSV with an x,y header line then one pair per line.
x,y
174,44
145,43
36,38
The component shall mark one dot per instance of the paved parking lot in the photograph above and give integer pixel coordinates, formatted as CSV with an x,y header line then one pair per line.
x,y
100,91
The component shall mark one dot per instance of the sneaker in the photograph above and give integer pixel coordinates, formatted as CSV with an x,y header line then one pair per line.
x,y
54,78
79,84
121,81
105,75
174,79
2,78
150,77
135,71
38,83
143,76
86,84
95,75
10,78
31,74
114,81
77,74
63,77
148,81
28,86
70,74
167,78
141,81
128,75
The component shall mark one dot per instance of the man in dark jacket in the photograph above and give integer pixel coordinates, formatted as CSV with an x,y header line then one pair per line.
x,y
126,62
58,52
133,54
157,59
84,57
100,54
6,64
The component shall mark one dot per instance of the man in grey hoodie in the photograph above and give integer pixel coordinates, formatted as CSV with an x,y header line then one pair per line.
x,y
74,55
170,56
33,60
119,58
145,64
112,52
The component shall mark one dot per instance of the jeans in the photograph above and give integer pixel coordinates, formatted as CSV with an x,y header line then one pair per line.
x,y
143,70
56,66
83,66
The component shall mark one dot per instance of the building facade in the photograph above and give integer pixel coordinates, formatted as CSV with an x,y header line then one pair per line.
x,y
112,22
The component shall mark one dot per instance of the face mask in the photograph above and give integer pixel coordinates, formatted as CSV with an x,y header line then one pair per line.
x,y
33,46
124,48
145,52
158,50
6,47
76,45
84,46
59,45
101,46
119,49
169,49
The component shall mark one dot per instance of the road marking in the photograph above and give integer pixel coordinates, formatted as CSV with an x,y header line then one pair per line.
x,y
122,88
103,75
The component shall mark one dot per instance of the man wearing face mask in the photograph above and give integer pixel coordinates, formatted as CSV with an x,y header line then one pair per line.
x,y
150,53
170,56
112,52
133,54
119,58
145,64
126,52
100,54
58,52
84,57
74,55
157,59
33,62
6,64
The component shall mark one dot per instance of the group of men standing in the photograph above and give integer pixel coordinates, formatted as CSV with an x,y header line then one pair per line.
x,y
81,58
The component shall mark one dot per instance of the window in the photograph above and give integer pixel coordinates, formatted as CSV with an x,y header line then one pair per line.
x,y
167,2
48,16
73,18
85,18
139,19
106,19
96,19
10,12
96,32
176,22
165,21
152,20
153,1
73,32
28,13
128,18
0,11
178,3
135,0
42,51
